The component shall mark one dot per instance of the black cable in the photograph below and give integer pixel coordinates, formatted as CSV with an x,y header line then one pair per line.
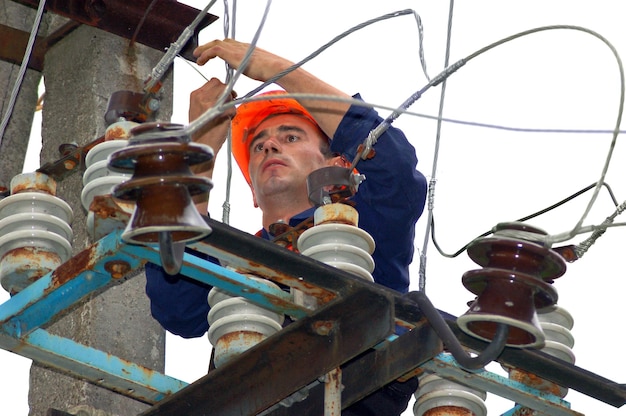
x,y
462,357
523,219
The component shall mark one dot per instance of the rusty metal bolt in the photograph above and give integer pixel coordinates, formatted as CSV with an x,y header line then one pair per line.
x,y
323,328
117,268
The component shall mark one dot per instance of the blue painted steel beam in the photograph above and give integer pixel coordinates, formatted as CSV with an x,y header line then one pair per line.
x,y
444,365
90,364
92,270
83,274
233,282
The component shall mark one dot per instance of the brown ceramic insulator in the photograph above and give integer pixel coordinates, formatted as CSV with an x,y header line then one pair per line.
x,y
159,158
160,163
163,206
162,184
517,255
506,297
519,226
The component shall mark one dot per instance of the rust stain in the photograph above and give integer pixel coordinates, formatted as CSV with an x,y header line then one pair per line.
x,y
104,206
323,295
70,164
131,55
524,411
36,254
323,328
449,411
117,268
536,382
33,186
414,373
73,267
116,132
248,339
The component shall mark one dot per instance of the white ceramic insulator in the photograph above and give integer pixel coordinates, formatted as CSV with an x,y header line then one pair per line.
x,y
557,324
98,179
236,324
438,393
344,246
36,234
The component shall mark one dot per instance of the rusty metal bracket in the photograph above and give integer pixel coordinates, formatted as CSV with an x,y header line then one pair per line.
x,y
325,340
72,159
374,368
162,25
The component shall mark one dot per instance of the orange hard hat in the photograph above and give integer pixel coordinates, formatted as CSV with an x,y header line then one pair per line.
x,y
249,115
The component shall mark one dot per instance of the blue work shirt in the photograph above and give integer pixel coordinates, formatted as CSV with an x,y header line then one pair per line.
x,y
389,202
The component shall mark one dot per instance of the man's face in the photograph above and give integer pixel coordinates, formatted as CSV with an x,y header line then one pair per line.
x,y
284,151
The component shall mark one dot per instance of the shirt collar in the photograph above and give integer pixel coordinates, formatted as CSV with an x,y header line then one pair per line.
x,y
295,220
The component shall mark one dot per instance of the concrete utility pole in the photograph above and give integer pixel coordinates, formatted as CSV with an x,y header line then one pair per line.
x,y
17,133
81,72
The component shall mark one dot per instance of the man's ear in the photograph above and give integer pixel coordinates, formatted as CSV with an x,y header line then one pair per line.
x,y
338,161
253,197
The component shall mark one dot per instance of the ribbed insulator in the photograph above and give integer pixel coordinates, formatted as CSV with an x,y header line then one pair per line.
x,y
36,231
556,323
236,324
98,180
337,241
438,396
515,281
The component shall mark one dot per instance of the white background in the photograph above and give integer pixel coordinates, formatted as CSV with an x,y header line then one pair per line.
x,y
557,79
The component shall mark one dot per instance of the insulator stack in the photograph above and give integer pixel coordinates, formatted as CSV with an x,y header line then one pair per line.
x,y
236,324
514,283
99,180
438,396
336,240
556,323
159,156
36,232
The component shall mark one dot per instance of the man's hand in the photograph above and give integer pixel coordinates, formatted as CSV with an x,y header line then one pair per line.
x,y
213,133
262,65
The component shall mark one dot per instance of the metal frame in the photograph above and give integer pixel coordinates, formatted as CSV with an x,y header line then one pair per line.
x,y
355,329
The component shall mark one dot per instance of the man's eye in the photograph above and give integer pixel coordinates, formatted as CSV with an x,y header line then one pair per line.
x,y
257,147
291,138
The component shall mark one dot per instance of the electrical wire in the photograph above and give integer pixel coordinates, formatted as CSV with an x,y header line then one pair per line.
x,y
22,71
221,106
166,61
581,248
221,103
229,31
141,22
371,139
523,219
574,231
433,177
340,37
483,125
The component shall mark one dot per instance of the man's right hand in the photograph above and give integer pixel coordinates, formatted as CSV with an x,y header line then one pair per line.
x,y
213,133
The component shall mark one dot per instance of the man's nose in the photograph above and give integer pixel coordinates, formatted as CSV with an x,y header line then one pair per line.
x,y
271,145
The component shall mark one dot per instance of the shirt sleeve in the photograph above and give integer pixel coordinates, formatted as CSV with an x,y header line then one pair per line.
x,y
178,303
392,197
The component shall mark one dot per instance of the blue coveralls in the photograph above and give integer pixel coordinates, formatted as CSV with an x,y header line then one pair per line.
x,y
389,203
